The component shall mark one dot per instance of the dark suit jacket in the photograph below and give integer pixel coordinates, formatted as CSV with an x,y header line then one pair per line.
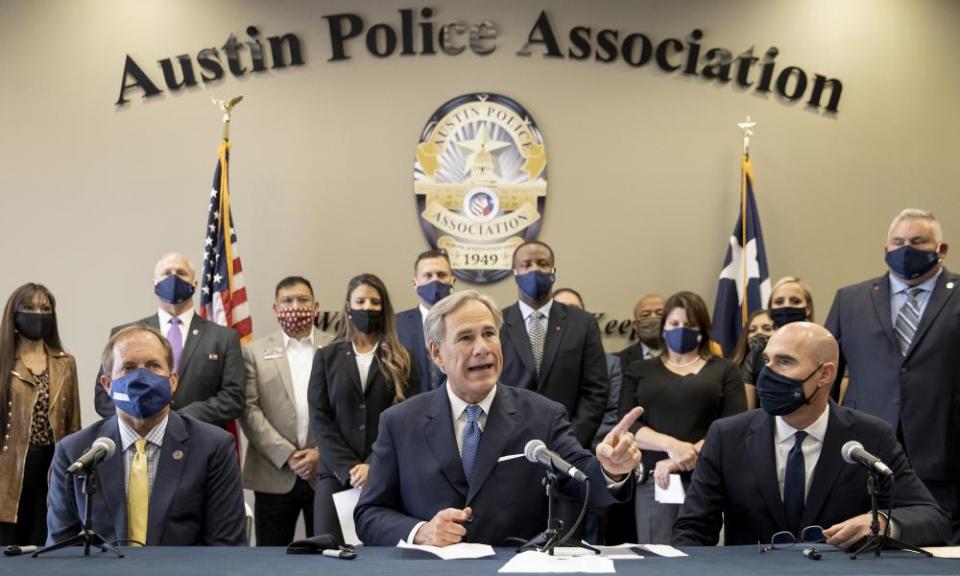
x,y
196,499
211,373
631,354
574,368
416,469
736,475
344,418
919,392
410,331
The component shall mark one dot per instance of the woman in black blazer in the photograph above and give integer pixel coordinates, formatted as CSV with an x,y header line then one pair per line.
x,y
353,380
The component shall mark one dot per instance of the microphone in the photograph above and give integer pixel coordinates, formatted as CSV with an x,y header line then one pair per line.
x,y
536,451
101,449
14,550
812,553
853,453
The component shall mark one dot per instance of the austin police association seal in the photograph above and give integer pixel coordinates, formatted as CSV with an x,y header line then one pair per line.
x,y
480,179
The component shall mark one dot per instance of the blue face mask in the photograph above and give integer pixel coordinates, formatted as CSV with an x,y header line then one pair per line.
x,y
141,393
536,285
682,340
433,292
781,395
909,263
173,290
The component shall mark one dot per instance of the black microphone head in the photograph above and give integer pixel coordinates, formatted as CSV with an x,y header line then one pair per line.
x,y
530,450
847,451
107,444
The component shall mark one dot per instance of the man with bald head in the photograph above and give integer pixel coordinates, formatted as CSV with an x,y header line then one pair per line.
x,y
780,468
207,356
646,324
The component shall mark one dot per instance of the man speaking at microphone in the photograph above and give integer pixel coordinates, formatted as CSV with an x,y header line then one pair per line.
x,y
448,465
780,468
173,481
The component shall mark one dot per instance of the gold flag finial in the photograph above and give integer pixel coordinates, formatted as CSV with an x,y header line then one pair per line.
x,y
746,127
227,106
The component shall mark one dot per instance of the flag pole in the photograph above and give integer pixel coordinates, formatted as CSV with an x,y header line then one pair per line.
x,y
746,128
227,106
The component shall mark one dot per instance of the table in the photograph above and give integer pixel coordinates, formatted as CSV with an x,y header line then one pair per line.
x,y
374,561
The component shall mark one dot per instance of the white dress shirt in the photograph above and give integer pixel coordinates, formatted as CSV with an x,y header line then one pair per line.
x,y
812,445
185,319
300,359
364,360
527,311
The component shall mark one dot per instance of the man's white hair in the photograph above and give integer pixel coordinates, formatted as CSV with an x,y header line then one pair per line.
x,y
434,327
917,214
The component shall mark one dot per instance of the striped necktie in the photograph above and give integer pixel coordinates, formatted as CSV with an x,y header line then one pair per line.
x,y
907,320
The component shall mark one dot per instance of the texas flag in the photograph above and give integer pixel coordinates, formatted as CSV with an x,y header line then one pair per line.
x,y
744,284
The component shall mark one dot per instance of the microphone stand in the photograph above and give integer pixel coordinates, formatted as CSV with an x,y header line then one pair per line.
x,y
878,540
88,536
550,538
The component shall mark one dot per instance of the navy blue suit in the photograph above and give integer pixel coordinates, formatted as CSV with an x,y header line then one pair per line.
x,y
416,469
574,366
410,332
735,483
196,498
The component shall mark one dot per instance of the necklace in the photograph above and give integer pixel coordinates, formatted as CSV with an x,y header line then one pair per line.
x,y
677,365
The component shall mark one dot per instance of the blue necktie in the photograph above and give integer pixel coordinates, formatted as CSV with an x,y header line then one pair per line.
x,y
794,484
471,441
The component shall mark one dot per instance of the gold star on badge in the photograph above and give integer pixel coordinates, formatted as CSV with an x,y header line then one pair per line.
x,y
480,161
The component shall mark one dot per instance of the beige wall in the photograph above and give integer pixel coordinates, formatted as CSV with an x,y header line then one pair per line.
x,y
643,165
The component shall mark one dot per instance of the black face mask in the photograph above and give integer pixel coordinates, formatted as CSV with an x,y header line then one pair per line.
x,y
34,325
781,395
787,314
367,321
757,341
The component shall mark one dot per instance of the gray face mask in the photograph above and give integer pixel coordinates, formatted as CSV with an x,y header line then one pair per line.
x,y
648,330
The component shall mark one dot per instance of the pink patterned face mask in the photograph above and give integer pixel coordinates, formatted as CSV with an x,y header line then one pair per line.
x,y
294,320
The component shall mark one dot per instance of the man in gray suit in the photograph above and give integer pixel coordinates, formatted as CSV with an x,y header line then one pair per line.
x,y
899,335
206,356
281,461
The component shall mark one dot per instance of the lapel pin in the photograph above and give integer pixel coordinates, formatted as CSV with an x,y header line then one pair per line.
x,y
178,454
195,331
213,356
949,285
876,287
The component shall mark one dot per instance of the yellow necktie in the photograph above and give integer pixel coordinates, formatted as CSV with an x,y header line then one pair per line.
x,y
138,498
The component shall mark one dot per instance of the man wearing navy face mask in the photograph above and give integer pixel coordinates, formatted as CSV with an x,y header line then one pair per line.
x,y
899,335
174,481
433,280
552,348
780,468
206,356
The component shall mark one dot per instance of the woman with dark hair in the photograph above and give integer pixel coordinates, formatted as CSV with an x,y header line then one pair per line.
x,y
682,391
353,380
753,339
39,405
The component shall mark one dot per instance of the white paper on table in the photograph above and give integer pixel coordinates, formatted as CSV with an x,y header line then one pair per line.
x,y
541,563
618,552
345,502
459,551
944,551
662,550
673,494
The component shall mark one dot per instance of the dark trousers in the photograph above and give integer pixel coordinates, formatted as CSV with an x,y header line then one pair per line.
x,y
31,525
947,495
275,515
325,519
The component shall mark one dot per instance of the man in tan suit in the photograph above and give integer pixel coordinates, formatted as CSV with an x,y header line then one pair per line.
x,y
282,454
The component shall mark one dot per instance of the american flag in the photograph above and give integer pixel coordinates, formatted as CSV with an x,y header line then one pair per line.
x,y
744,284
223,297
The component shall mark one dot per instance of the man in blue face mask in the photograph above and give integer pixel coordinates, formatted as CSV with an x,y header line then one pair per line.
x,y
173,481
780,469
205,355
553,348
433,281
899,335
